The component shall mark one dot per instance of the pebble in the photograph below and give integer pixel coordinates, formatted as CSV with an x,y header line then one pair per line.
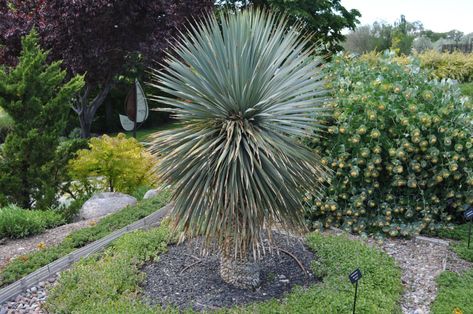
x,y
29,302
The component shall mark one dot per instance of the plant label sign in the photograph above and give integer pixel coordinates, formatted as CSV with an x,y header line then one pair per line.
x,y
468,213
355,276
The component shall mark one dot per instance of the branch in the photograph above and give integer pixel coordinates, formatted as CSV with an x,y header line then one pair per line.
x,y
189,266
294,257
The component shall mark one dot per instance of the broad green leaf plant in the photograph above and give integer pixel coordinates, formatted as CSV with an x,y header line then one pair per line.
x,y
246,87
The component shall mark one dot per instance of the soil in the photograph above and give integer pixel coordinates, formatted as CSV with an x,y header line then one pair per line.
x,y
169,283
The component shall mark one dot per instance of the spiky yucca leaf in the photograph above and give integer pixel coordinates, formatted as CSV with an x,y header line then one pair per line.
x,y
245,87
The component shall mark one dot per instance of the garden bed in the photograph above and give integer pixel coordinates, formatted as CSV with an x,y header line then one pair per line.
x,y
111,282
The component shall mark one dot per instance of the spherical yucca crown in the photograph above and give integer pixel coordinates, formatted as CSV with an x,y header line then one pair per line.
x,y
245,88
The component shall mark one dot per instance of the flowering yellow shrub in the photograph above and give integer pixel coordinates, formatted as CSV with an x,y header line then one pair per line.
x,y
400,146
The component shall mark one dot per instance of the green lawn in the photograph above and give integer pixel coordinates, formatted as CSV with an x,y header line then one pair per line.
x,y
110,283
143,134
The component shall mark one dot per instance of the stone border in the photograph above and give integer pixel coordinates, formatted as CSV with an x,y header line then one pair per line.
x,y
16,288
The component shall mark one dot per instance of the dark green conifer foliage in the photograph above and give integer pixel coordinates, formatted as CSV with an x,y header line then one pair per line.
x,y
37,97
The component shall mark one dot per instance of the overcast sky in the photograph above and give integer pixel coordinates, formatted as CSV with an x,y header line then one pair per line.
x,y
437,15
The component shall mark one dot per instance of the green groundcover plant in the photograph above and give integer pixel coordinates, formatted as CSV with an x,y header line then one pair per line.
x,y
26,264
16,222
110,283
401,147
455,289
455,292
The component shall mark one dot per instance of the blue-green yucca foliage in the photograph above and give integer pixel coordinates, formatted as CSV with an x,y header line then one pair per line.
x,y
245,87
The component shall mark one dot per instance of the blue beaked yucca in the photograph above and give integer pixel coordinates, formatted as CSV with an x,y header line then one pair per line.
x,y
246,87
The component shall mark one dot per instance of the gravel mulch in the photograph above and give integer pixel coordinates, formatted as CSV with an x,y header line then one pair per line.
x,y
422,260
31,301
200,287
10,248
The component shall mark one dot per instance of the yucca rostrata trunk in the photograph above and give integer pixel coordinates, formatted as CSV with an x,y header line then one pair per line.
x,y
241,272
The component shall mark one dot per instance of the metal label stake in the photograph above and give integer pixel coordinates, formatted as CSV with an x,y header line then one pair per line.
x,y
354,278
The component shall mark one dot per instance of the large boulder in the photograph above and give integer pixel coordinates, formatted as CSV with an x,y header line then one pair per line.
x,y
105,203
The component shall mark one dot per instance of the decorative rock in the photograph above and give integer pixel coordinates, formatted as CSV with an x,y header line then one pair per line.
x,y
105,203
150,194
34,289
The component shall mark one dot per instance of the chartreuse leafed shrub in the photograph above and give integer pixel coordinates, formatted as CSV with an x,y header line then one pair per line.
x,y
113,163
110,284
16,222
401,147
457,65
26,264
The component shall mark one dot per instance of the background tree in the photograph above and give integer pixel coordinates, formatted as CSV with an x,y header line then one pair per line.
x,y
360,40
325,18
454,35
422,43
96,38
245,88
35,96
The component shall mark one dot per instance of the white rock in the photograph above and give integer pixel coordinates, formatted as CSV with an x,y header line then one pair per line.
x,y
150,194
105,203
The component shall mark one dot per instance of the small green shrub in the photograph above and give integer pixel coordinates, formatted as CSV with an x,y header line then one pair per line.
x,y
401,148
454,292
24,265
71,211
16,222
110,284
113,163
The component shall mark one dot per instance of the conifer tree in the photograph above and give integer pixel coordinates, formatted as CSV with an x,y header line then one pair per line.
x,y
37,97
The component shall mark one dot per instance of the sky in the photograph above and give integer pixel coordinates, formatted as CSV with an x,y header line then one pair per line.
x,y
436,15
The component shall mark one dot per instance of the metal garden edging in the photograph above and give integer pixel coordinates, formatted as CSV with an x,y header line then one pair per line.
x,y
16,288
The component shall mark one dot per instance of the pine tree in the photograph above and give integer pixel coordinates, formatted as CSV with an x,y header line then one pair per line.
x,y
37,97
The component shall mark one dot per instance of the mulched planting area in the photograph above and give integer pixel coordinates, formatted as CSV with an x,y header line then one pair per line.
x,y
184,279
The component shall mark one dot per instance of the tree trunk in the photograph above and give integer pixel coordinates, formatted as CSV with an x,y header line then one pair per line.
x,y
242,273
85,125
86,110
